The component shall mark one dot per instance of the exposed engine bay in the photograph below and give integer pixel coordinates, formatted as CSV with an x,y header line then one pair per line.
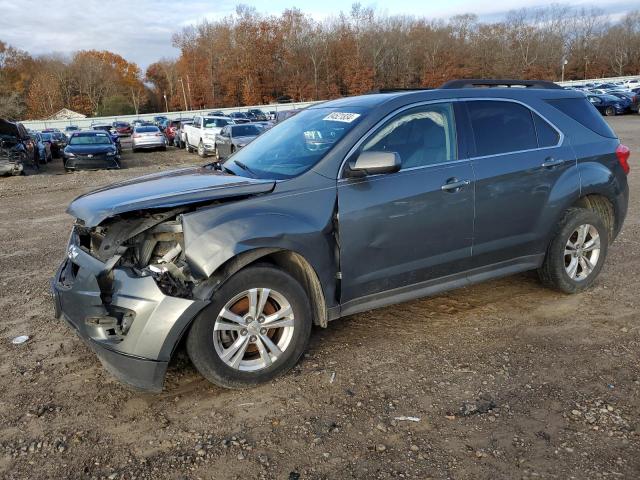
x,y
148,244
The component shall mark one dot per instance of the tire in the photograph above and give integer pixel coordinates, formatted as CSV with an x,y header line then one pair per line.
x,y
216,153
609,111
201,151
187,145
556,272
206,349
134,150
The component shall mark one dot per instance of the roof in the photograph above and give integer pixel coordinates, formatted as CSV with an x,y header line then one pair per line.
x,y
65,114
450,92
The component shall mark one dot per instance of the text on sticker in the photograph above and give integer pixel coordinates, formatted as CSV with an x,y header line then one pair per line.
x,y
342,117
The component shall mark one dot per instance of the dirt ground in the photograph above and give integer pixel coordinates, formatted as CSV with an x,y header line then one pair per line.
x,y
508,379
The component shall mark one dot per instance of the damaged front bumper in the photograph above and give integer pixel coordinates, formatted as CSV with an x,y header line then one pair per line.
x,y
130,324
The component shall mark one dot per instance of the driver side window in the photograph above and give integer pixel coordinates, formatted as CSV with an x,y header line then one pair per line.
x,y
421,136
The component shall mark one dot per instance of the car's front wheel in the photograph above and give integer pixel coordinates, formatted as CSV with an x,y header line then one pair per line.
x,y
577,252
256,328
610,111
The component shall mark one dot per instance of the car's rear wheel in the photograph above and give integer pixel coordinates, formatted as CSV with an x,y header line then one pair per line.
x,y
610,111
256,328
577,252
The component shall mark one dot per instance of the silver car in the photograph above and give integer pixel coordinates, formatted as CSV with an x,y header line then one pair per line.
x,y
233,137
148,136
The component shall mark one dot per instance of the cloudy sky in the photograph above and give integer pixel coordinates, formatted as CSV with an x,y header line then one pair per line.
x,y
141,30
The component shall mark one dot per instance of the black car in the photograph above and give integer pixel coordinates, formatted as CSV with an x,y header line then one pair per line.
x,y
239,117
57,140
351,205
91,150
17,148
257,115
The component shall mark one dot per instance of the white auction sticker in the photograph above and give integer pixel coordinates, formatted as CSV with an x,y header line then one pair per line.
x,y
342,117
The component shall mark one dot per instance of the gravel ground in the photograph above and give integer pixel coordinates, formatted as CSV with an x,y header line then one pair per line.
x,y
507,379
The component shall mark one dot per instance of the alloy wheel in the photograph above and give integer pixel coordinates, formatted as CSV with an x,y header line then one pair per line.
x,y
582,252
253,329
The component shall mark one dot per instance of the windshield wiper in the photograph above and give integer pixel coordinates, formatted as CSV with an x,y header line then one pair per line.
x,y
244,167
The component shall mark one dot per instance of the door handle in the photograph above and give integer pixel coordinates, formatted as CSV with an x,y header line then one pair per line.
x,y
453,185
552,162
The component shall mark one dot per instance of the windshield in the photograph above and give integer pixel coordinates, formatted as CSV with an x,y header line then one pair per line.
x,y
245,130
46,136
215,122
610,98
88,139
293,147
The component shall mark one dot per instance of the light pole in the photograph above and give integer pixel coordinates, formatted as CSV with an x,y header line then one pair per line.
x,y
166,105
564,62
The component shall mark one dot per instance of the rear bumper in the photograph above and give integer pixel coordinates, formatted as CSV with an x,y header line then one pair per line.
x,y
155,143
134,330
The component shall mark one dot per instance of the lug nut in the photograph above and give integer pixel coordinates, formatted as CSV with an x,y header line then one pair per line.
x,y
243,332
253,338
260,319
263,331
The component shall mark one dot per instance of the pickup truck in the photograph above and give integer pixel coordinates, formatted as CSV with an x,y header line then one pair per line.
x,y
201,134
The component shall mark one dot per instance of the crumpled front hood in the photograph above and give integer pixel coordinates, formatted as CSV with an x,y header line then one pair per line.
x,y
163,190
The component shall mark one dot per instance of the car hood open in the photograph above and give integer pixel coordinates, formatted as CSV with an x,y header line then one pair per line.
x,y
9,129
164,190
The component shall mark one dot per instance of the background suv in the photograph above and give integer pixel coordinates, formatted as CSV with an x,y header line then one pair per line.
x,y
350,205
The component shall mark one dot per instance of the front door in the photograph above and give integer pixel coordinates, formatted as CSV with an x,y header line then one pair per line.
x,y
401,229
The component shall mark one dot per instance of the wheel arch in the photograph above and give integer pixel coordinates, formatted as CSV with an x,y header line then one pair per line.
x,y
291,262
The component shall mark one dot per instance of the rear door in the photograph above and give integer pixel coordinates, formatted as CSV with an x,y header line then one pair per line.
x,y
401,229
519,160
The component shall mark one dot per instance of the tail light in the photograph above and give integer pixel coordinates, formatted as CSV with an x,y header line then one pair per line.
x,y
623,152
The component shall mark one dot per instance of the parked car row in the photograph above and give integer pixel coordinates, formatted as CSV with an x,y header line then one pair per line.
x,y
611,98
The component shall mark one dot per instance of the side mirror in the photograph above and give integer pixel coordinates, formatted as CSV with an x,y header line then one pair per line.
x,y
373,163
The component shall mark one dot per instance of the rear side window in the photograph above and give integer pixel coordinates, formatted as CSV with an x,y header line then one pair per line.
x,y
547,135
581,110
501,127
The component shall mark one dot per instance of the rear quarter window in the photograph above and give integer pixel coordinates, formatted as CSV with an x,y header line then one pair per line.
x,y
581,110
547,135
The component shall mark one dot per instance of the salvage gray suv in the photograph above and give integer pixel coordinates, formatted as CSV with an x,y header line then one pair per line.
x,y
350,205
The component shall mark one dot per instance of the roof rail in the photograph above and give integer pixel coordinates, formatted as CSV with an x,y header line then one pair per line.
x,y
481,83
399,89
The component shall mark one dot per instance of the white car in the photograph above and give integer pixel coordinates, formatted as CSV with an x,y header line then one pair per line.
x,y
201,134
